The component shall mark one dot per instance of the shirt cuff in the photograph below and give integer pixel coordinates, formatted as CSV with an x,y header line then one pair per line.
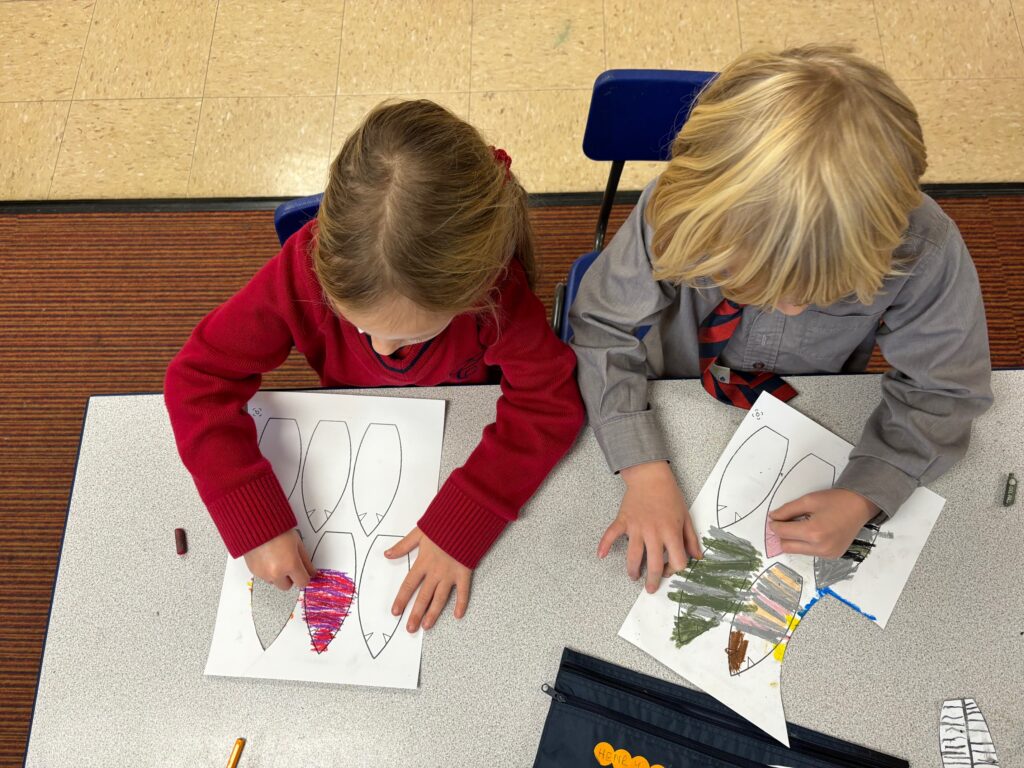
x,y
878,482
460,526
630,440
252,514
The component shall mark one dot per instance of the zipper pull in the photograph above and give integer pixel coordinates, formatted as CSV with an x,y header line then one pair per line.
x,y
554,693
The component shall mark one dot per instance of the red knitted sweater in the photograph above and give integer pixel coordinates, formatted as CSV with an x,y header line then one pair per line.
x,y
210,381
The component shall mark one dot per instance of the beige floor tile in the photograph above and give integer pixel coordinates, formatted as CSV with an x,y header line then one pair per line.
x,y
154,50
782,24
397,46
639,175
666,34
30,134
41,48
974,129
351,109
950,39
286,48
543,132
535,44
131,148
262,147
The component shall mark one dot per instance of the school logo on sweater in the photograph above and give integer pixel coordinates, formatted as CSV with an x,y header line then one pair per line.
x,y
468,368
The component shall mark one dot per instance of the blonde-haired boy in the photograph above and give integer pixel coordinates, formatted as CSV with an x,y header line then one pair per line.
x,y
788,234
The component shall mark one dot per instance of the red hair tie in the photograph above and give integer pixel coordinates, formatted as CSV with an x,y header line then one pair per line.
x,y
502,158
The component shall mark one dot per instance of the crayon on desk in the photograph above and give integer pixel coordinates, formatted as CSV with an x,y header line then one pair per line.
x,y
180,544
236,753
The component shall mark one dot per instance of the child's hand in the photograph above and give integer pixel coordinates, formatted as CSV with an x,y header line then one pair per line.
x,y
282,561
653,515
435,572
823,523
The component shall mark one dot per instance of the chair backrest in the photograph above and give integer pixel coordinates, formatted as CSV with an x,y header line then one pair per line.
x,y
291,216
572,287
636,113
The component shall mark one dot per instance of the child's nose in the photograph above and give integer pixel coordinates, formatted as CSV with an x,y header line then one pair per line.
x,y
384,346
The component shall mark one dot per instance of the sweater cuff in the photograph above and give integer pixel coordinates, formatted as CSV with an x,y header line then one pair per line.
x,y
878,482
252,514
460,526
630,440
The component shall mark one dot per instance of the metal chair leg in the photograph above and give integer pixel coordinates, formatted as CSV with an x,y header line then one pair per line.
x,y
606,203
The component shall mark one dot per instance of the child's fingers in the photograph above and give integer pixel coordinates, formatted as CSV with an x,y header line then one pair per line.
x,y
655,561
634,555
299,576
406,591
677,559
462,585
796,530
692,542
306,562
408,543
611,535
798,547
441,595
284,583
793,509
422,602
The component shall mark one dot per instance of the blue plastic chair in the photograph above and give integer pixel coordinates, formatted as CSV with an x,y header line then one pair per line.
x,y
290,217
634,115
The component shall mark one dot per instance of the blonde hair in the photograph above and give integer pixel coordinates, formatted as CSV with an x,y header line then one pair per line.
x,y
418,205
791,181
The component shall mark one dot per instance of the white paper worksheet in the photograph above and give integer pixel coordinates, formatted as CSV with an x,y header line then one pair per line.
x,y
358,472
724,622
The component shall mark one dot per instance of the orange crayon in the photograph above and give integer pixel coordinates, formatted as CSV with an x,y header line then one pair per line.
x,y
236,753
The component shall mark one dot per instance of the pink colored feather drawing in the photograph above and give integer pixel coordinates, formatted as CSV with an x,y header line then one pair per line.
x,y
809,474
327,599
339,627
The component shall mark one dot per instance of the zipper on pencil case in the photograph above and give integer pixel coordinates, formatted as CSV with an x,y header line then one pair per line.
x,y
802,746
639,725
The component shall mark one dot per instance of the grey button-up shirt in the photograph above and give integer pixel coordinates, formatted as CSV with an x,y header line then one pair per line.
x,y
929,323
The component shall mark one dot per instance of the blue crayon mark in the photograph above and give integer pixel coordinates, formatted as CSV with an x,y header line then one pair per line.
x,y
810,604
828,591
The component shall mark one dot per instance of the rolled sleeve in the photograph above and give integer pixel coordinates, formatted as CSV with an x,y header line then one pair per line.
x,y
618,296
630,440
879,482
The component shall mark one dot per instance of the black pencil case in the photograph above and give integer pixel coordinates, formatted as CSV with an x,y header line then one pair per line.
x,y
603,714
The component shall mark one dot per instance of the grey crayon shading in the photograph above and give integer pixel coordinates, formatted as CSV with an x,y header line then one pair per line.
x,y
713,587
828,572
271,609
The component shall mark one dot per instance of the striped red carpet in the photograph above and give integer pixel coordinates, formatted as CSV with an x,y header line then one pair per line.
x,y
98,303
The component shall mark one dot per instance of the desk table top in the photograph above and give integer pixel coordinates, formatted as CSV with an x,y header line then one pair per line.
x,y
122,678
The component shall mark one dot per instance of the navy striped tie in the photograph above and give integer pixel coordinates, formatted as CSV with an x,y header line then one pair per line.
x,y
743,387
